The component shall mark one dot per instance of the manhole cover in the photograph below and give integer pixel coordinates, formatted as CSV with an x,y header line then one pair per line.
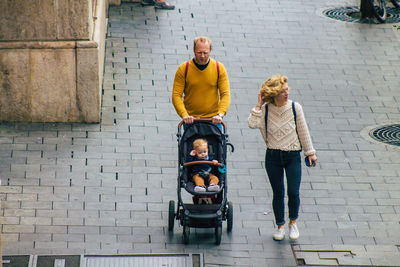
x,y
389,134
352,14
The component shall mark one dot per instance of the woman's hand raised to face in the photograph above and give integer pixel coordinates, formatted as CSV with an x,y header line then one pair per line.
x,y
260,101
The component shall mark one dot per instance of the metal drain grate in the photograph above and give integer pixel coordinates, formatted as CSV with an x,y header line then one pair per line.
x,y
150,260
141,261
389,134
352,14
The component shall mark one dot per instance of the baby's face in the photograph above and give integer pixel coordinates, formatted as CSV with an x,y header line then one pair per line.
x,y
202,151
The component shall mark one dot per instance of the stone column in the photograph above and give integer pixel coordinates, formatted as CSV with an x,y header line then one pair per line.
x,y
51,60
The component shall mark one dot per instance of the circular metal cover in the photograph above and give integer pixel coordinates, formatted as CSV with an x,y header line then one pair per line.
x,y
352,14
389,134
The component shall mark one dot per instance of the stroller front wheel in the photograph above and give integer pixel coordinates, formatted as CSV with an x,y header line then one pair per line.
x,y
186,234
171,215
229,217
218,234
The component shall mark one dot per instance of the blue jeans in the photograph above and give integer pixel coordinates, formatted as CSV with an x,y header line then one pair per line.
x,y
276,162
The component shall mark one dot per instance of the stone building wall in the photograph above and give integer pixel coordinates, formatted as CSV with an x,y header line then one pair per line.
x,y
51,60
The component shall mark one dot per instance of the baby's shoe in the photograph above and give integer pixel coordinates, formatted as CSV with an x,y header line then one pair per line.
x,y
213,187
199,188
147,2
163,5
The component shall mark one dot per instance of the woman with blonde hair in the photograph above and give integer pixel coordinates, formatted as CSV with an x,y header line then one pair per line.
x,y
285,132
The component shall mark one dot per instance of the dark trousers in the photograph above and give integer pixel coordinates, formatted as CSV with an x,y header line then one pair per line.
x,y
276,163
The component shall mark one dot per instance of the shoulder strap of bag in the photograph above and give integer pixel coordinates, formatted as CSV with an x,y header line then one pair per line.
x,y
294,115
295,123
266,118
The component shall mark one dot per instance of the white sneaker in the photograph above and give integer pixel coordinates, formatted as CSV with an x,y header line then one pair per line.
x,y
213,187
279,234
293,232
199,188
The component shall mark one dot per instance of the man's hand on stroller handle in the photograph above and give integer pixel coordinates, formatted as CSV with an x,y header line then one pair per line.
x,y
188,119
216,119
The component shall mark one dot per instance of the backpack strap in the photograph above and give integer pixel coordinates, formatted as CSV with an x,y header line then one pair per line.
x,y
217,68
186,68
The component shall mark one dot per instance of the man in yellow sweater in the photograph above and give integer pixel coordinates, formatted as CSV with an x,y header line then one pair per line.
x,y
203,83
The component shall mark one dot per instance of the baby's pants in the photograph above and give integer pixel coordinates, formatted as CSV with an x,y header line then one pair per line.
x,y
198,180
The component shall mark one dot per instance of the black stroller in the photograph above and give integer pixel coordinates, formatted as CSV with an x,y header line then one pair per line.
x,y
216,208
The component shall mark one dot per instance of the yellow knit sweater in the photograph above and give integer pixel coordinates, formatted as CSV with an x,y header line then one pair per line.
x,y
201,97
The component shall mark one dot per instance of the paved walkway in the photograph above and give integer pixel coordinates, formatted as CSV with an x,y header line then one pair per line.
x,y
104,188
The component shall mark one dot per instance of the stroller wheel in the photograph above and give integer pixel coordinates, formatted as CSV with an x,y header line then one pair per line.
x,y
218,234
229,217
186,233
171,215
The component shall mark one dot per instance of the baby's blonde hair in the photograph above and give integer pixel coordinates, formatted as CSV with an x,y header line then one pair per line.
x,y
199,142
272,87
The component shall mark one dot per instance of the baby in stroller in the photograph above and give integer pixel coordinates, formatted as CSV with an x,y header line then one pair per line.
x,y
201,172
202,144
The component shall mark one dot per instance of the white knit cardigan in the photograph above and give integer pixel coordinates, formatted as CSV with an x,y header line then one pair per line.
x,y
282,128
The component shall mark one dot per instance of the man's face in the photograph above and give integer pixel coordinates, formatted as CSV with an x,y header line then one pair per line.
x,y
202,53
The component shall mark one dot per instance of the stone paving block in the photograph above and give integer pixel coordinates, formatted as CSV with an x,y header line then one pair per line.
x,y
67,221
354,261
134,222
51,213
35,221
386,261
87,247
18,228
20,248
67,238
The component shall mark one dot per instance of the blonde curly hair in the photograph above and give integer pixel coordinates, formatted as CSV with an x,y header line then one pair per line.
x,y
272,87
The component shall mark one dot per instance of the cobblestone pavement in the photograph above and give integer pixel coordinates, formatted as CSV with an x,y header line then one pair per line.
x,y
104,188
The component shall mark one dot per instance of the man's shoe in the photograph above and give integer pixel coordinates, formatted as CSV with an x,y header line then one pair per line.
x,y
163,5
293,232
199,189
147,2
279,234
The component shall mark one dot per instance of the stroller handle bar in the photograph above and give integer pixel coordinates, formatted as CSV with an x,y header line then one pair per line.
x,y
203,162
201,119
